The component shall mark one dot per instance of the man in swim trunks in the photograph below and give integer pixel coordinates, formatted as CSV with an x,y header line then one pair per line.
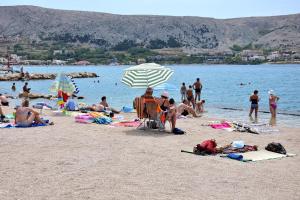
x,y
106,106
184,109
254,103
190,96
25,116
197,86
273,103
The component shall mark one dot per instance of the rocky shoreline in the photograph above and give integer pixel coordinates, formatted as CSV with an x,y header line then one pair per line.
x,y
36,76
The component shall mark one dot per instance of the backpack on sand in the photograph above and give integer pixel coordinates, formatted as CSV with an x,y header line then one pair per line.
x,y
275,147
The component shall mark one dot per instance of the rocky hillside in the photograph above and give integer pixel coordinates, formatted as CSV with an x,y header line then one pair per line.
x,y
38,24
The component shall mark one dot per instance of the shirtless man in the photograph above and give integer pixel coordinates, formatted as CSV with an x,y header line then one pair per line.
x,y
197,86
106,106
184,109
190,96
200,106
254,103
25,116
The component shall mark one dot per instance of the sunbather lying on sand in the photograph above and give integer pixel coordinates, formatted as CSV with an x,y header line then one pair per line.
x,y
25,116
106,106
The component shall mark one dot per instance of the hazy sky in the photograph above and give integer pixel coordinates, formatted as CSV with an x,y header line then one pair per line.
x,y
203,8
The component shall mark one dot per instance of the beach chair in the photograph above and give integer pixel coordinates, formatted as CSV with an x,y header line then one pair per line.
x,y
149,112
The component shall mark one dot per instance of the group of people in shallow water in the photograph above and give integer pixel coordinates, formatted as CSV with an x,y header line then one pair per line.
x,y
188,94
254,99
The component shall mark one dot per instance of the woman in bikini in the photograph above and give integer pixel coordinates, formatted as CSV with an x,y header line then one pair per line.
x,y
273,103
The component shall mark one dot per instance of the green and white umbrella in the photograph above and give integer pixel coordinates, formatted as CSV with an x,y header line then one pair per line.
x,y
63,83
146,75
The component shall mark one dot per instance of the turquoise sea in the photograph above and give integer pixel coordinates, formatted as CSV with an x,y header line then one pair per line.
x,y
221,87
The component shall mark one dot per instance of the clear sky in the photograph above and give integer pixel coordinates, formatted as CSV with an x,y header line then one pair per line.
x,y
203,8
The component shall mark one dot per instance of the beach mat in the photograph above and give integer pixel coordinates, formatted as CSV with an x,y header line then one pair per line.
x,y
262,155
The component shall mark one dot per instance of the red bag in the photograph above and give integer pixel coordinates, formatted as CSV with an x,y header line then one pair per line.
x,y
208,146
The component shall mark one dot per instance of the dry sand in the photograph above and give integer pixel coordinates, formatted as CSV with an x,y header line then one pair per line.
x,y
89,161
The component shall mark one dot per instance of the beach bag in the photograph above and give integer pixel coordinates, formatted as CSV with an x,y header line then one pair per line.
x,y
275,147
206,147
178,131
152,124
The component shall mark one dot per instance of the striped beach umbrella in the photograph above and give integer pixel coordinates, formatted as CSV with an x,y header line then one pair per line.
x,y
63,83
146,75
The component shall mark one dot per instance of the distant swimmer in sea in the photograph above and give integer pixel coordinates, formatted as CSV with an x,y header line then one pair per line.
x,y
273,103
98,81
254,103
13,87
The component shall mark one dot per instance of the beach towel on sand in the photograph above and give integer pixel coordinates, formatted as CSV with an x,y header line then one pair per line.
x,y
260,155
127,124
10,125
223,125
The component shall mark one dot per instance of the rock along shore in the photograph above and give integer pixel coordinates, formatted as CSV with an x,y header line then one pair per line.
x,y
35,76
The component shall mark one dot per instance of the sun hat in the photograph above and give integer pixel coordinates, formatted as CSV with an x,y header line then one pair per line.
x,y
165,94
271,92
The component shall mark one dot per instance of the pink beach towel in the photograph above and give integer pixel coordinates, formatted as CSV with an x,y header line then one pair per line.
x,y
220,126
127,124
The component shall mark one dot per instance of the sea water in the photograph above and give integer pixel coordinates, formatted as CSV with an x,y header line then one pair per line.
x,y
224,86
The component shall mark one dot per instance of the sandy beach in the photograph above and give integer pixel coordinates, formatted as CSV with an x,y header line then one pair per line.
x,y
89,161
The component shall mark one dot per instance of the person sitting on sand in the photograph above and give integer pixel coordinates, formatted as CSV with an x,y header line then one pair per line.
x,y
106,106
184,109
273,103
26,116
254,103
200,106
3,100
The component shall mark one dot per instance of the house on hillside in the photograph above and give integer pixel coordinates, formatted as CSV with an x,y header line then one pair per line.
x,y
252,55
82,62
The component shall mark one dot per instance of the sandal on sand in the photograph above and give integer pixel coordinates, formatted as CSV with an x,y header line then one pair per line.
x,y
51,123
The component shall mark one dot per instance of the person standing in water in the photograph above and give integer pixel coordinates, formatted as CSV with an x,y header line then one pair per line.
x,y
273,103
190,96
13,87
183,91
254,103
197,87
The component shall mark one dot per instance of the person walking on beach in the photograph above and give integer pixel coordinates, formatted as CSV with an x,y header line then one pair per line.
x,y
273,103
197,86
183,91
190,96
254,103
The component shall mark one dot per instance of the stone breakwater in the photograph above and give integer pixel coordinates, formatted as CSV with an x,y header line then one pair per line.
x,y
18,76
